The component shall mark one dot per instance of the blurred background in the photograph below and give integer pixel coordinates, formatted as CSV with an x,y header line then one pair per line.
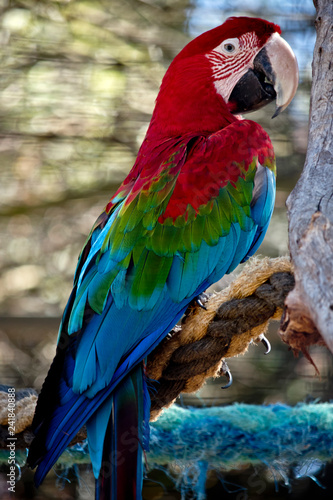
x,y
78,82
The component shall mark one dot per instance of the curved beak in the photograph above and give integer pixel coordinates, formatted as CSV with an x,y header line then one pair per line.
x,y
274,75
285,71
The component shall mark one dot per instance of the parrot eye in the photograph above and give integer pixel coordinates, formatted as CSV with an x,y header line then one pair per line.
x,y
230,46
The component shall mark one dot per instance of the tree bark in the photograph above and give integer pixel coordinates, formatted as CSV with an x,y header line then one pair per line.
x,y
309,307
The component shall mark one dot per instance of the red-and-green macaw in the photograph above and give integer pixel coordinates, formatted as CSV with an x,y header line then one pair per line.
x,y
196,203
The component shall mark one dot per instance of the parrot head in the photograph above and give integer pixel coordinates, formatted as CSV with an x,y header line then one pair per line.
x,y
235,68
254,68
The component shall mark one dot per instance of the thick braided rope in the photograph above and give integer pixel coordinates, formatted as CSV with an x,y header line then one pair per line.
x,y
25,404
233,319
24,408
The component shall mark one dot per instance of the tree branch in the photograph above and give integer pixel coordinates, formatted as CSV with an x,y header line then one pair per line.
x,y
309,314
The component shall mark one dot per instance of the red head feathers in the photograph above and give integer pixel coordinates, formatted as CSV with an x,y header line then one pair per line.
x,y
196,88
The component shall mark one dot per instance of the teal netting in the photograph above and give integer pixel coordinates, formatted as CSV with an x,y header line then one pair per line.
x,y
191,441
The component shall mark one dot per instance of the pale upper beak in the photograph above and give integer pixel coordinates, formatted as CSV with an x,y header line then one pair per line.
x,y
285,70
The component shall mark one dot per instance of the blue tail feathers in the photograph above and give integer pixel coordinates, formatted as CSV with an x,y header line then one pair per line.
x,y
121,468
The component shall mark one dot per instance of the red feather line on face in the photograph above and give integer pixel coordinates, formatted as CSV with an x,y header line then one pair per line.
x,y
224,65
227,69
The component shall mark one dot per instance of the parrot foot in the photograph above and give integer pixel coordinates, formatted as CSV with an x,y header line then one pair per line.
x,y
224,370
198,300
266,343
176,329
201,299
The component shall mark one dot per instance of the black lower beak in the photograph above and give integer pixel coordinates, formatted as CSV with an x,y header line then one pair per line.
x,y
256,88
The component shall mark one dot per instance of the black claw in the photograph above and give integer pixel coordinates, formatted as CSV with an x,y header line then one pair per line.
x,y
227,373
266,343
200,299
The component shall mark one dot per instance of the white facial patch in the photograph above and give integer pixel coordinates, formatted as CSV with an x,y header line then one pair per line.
x,y
230,60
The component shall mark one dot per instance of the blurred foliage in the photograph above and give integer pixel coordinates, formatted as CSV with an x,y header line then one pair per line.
x,y
77,88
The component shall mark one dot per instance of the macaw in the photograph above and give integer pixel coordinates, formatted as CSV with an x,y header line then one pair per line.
x,y
196,203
